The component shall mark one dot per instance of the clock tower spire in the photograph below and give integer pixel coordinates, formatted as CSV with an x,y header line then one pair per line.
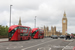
x,y
64,14
64,24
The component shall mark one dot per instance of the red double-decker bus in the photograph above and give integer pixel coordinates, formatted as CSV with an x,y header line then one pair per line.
x,y
37,33
17,32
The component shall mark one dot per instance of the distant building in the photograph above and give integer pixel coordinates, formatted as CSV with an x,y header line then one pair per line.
x,y
19,21
53,31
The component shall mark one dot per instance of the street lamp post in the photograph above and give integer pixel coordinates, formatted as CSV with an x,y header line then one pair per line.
x,y
35,22
10,16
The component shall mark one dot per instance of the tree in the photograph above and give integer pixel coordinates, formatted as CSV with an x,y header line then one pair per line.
x,y
3,30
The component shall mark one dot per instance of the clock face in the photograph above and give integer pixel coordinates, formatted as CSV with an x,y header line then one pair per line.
x,y
64,21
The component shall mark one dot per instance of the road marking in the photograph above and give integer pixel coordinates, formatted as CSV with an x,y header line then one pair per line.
x,y
21,46
49,48
37,40
14,47
7,48
38,44
65,46
44,48
40,48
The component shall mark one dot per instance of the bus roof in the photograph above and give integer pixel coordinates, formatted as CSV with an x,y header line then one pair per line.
x,y
17,26
14,26
34,29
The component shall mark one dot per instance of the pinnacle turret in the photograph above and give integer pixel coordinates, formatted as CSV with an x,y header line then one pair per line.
x,y
19,21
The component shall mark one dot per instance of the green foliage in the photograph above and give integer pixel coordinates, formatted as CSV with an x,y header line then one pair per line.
x,y
3,30
74,34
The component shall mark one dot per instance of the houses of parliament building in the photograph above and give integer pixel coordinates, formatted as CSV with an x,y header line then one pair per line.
x,y
53,31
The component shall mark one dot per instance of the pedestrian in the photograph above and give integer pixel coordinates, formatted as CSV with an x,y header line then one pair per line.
x,y
68,37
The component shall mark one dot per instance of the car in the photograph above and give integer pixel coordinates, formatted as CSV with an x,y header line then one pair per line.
x,y
62,36
51,36
54,36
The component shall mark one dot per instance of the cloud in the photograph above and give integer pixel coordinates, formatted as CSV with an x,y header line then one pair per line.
x,y
48,12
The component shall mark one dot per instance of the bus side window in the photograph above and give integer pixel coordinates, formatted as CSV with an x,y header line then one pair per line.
x,y
19,27
30,34
21,34
23,27
29,29
25,34
15,28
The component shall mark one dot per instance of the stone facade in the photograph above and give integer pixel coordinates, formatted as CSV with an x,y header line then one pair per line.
x,y
53,31
64,24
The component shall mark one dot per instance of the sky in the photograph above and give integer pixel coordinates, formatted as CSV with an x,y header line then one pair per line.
x,y
48,13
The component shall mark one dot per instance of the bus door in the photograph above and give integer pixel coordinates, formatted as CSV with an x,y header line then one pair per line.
x,y
29,33
38,33
19,34
25,35
22,34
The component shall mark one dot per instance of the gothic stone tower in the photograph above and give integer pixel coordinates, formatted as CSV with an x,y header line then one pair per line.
x,y
64,24
53,30
19,21
46,29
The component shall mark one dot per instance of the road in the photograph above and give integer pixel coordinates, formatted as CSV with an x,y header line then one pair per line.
x,y
39,44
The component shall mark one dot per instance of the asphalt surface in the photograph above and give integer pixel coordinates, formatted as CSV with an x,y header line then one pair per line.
x,y
39,44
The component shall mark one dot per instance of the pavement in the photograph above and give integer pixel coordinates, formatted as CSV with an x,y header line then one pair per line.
x,y
38,44
3,39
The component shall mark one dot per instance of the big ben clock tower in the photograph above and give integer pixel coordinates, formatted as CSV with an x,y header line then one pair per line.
x,y
64,24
